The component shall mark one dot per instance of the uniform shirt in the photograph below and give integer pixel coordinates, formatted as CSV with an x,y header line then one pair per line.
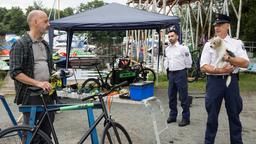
x,y
236,46
177,57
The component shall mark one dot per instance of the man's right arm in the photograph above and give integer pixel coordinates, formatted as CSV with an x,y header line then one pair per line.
x,y
29,81
212,70
16,67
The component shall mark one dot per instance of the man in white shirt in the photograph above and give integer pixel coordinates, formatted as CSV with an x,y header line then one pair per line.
x,y
177,59
216,89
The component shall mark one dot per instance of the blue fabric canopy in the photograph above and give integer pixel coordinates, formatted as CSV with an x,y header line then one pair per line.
x,y
114,17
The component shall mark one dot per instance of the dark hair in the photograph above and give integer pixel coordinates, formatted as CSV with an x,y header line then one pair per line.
x,y
173,31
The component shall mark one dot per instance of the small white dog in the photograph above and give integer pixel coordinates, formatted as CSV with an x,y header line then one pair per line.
x,y
218,45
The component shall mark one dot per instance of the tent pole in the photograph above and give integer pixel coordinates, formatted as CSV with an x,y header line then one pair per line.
x,y
159,45
69,42
51,36
126,43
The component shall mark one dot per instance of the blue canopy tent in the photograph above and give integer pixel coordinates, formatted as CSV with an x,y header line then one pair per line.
x,y
113,16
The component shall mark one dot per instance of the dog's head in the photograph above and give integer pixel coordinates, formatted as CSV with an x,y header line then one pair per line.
x,y
215,42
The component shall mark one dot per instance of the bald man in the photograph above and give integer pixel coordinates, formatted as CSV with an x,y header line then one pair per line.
x,y
31,65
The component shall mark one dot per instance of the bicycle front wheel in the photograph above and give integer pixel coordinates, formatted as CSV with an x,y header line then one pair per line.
x,y
114,133
17,135
91,86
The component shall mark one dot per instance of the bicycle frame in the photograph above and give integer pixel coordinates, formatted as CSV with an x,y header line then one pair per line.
x,y
99,104
104,84
10,114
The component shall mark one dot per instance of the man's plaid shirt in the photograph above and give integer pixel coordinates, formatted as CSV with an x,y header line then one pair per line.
x,y
22,61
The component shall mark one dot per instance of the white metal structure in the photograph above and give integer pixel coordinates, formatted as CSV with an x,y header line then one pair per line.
x,y
188,11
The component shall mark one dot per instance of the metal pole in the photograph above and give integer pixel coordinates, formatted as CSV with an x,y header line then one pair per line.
x,y
186,30
191,28
197,22
239,19
127,41
210,19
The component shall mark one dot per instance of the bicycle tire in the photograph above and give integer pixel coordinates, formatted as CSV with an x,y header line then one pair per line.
x,y
192,75
91,86
109,137
10,135
146,74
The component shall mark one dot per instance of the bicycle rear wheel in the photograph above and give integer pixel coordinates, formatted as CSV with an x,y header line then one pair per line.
x,y
146,74
13,135
114,133
192,75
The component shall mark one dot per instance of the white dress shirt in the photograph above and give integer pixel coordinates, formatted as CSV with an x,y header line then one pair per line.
x,y
177,57
236,46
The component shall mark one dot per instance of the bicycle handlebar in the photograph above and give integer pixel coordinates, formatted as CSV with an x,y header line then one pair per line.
x,y
37,89
106,93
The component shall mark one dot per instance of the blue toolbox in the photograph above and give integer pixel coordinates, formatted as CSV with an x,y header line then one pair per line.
x,y
141,90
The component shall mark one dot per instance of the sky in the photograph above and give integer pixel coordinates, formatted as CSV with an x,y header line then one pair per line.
x,y
49,3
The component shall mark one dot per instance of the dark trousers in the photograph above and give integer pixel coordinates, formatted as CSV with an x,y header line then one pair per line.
x,y
178,83
45,126
216,91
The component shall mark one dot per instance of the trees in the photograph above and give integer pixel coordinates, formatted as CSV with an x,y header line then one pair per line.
x,y
103,39
248,19
14,21
90,5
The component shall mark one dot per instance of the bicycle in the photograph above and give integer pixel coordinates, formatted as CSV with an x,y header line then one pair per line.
x,y
94,85
131,74
194,73
112,131
134,73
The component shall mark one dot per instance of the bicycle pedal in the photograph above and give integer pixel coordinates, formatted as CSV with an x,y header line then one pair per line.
x,y
124,96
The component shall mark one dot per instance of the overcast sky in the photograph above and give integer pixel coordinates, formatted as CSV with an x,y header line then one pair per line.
x,y
49,3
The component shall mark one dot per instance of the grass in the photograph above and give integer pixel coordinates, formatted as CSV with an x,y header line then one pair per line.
x,y
247,82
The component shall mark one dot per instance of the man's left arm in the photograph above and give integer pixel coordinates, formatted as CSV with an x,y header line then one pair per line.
x,y
241,58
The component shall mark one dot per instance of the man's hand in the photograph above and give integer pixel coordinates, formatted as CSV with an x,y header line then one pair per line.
x,y
46,86
226,57
228,68
213,70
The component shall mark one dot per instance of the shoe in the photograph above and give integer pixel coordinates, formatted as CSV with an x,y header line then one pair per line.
x,y
171,119
184,122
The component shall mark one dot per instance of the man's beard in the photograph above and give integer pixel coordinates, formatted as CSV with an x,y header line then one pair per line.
x,y
172,42
43,31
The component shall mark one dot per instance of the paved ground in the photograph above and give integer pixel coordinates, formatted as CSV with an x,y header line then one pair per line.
x,y
138,121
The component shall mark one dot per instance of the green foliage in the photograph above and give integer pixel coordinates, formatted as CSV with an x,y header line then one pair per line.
x,y
90,5
247,82
3,11
37,5
3,28
248,19
101,38
66,12
14,21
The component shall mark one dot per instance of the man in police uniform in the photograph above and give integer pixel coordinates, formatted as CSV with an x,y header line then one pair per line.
x,y
176,61
216,89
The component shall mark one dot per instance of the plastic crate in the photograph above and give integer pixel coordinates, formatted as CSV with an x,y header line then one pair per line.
x,y
141,90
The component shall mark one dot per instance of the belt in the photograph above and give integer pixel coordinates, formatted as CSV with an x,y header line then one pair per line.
x,y
176,71
222,76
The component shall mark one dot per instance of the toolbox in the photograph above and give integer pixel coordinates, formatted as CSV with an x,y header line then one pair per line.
x,y
141,90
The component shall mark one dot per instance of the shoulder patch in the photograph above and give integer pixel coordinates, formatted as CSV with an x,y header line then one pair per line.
x,y
186,54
